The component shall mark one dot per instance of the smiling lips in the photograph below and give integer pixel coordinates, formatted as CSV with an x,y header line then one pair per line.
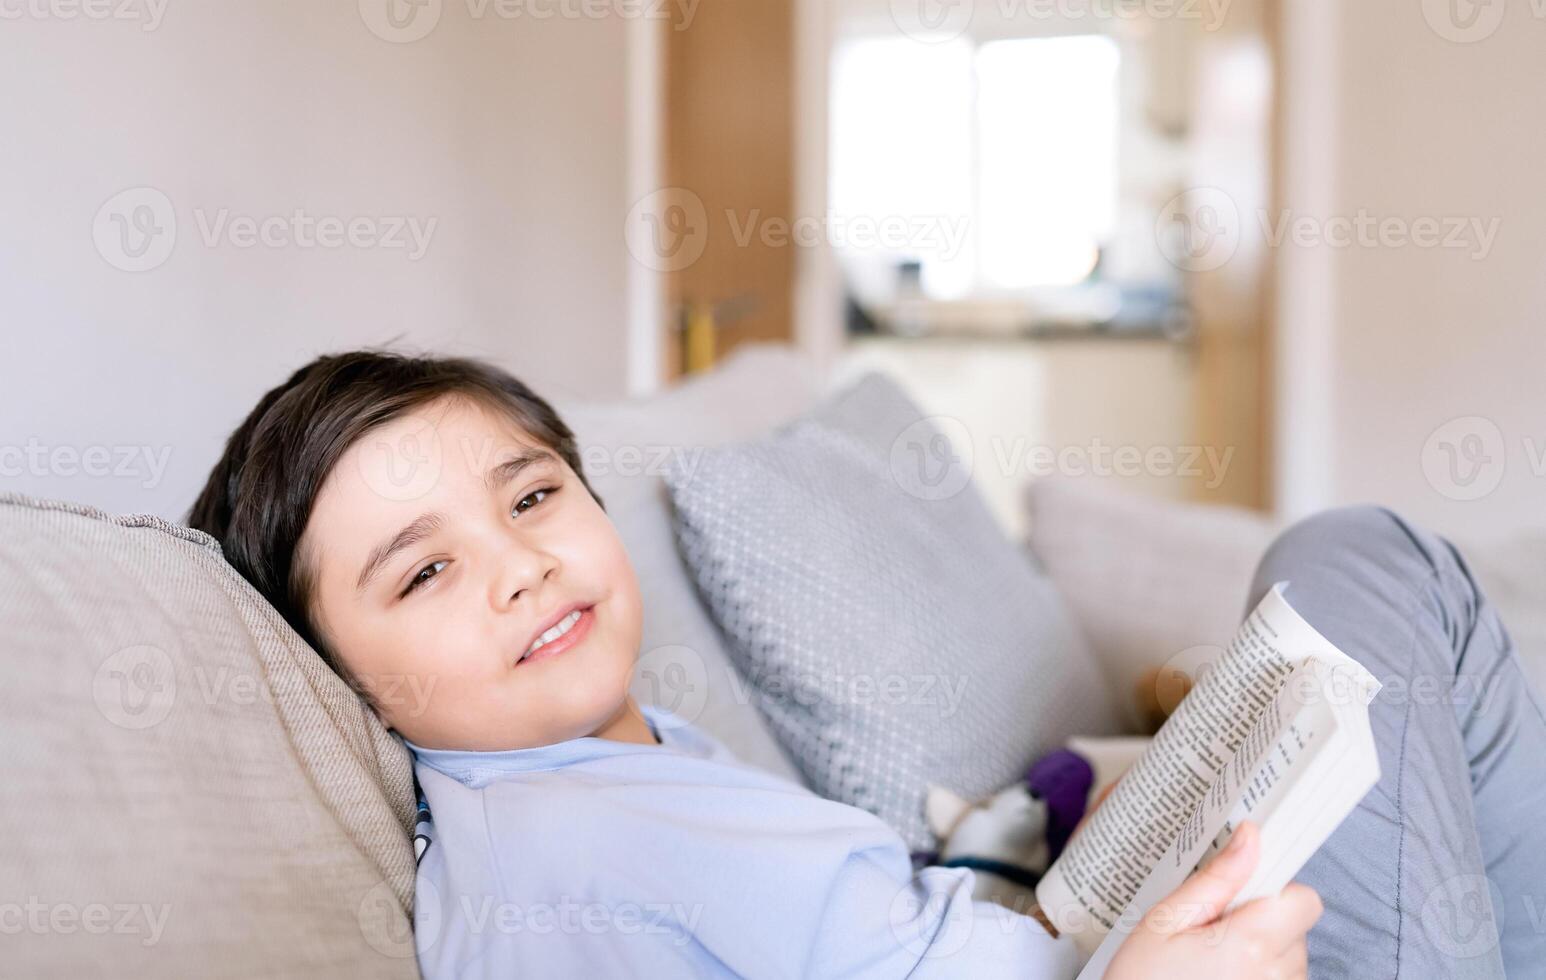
x,y
568,631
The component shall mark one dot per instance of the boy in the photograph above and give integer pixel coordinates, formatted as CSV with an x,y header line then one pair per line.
x,y
426,526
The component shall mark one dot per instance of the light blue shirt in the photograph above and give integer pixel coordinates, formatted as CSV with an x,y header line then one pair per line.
x,y
598,858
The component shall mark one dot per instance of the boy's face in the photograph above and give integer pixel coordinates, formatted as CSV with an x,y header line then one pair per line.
x,y
509,552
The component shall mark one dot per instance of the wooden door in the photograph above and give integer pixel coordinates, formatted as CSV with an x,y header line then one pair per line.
x,y
729,143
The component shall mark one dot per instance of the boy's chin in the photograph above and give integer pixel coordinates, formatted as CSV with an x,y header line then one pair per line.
x,y
589,700
576,694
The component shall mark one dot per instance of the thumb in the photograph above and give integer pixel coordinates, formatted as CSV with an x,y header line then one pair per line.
x,y
1202,897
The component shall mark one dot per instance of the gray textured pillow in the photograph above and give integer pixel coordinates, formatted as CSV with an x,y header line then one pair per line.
x,y
891,633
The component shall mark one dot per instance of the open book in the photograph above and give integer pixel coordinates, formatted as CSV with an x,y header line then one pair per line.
x,y
1275,731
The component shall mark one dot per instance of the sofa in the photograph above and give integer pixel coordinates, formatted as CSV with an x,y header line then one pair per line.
x,y
189,791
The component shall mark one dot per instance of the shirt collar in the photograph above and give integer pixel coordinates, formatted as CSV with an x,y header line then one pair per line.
x,y
475,768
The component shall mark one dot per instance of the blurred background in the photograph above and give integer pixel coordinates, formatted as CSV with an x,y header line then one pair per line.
x,y
1275,254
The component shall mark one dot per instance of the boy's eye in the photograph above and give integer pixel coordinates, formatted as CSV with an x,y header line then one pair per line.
x,y
419,577
429,571
533,499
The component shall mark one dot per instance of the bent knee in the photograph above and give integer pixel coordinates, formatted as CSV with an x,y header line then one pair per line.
x,y
1361,533
1354,523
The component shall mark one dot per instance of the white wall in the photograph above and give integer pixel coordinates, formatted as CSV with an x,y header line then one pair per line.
x,y
1017,404
512,135
1389,349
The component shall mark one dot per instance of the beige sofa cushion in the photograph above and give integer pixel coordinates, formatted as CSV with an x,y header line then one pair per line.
x,y
1157,582
189,791
1151,581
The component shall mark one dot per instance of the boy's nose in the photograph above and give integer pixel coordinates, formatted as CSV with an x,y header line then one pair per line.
x,y
522,570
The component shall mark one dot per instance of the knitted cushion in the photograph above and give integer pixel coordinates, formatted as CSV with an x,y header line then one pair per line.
x,y
892,634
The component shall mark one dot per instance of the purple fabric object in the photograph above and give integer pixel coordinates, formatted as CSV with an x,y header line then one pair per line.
x,y
1062,780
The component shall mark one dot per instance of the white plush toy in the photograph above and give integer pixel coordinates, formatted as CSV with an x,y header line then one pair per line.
x,y
1003,839
1012,837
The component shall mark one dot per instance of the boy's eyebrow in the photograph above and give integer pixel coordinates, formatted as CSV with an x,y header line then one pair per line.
x,y
422,526
501,473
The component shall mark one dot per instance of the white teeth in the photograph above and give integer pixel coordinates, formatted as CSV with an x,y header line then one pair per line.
x,y
563,626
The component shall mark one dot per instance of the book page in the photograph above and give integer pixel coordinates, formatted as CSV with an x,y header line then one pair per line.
x,y
1110,756
1300,771
1101,870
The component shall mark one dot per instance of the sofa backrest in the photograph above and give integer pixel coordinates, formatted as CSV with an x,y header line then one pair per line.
x,y
188,789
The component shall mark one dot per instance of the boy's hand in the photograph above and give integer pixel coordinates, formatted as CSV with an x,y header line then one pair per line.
x,y
1187,935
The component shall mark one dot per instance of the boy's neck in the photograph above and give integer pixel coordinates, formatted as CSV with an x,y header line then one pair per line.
x,y
628,724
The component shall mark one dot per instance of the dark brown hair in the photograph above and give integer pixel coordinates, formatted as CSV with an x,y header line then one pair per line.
x,y
260,494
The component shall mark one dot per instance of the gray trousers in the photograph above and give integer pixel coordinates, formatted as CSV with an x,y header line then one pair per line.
x,y
1441,870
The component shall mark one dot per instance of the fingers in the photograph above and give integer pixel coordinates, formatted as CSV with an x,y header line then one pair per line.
x,y
1299,909
1282,921
1201,899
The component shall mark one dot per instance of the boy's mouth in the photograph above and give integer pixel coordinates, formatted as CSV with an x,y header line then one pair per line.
x,y
561,632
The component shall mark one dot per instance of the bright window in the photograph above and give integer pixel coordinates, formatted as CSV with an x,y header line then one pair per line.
x,y
1009,148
